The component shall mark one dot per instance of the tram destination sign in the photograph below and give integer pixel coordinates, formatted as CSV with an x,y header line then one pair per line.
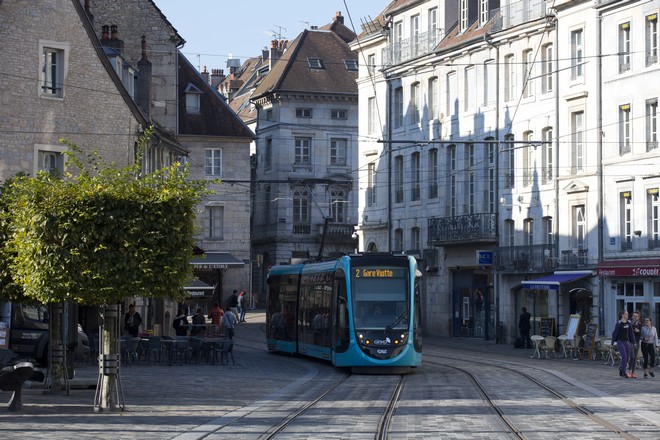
x,y
378,272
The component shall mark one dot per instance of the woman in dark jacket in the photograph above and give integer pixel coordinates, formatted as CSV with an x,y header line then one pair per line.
x,y
624,338
180,323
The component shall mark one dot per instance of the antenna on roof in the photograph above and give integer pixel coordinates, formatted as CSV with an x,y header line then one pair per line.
x,y
279,33
306,21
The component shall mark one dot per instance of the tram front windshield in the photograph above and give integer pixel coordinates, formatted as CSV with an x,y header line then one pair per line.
x,y
380,299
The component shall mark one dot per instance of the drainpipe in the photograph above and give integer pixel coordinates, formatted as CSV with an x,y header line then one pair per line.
x,y
599,155
555,226
496,282
388,111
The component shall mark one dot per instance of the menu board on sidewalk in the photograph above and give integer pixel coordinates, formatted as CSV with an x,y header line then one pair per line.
x,y
589,341
547,327
573,322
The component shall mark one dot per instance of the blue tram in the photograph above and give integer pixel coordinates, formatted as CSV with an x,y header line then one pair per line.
x,y
360,311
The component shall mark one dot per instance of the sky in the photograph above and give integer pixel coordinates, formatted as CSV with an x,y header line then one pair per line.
x,y
214,29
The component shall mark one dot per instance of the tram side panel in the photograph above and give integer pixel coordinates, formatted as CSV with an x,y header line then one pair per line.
x,y
282,309
314,313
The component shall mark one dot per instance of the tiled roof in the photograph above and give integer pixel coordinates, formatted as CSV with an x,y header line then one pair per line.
x,y
215,118
293,73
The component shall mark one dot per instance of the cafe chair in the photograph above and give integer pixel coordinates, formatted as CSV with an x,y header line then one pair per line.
x,y
154,349
181,349
196,349
129,349
226,349
549,346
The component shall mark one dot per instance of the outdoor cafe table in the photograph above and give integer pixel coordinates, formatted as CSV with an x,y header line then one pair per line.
x,y
536,340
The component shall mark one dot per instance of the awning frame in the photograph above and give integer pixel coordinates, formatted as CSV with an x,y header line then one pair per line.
x,y
554,281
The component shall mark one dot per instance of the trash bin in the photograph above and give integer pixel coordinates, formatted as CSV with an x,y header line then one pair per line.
x,y
499,332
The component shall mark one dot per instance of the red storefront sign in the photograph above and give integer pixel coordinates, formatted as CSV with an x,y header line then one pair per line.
x,y
629,268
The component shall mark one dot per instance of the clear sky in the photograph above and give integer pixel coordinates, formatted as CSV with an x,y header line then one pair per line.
x,y
213,29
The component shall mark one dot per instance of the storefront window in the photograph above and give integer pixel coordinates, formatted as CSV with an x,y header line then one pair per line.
x,y
536,303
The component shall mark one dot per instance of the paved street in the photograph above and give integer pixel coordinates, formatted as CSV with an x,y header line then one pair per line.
x,y
192,401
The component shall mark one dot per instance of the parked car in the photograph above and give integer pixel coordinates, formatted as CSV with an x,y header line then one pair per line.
x,y
28,335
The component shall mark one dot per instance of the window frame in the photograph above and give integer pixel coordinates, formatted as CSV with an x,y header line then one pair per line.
x,y
338,151
302,152
214,222
61,51
211,168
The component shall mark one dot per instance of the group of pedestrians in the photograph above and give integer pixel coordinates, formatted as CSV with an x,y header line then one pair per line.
x,y
631,335
225,320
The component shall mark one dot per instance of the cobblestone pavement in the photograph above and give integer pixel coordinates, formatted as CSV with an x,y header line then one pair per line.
x,y
189,402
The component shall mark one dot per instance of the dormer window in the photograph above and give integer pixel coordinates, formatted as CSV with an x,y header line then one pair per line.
x,y
315,63
351,64
129,78
193,98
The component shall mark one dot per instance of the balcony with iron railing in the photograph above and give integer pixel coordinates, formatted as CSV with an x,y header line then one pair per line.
x,y
462,229
541,258
337,231
408,48
516,13
535,258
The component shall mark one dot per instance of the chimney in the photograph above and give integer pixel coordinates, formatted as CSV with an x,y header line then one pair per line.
x,y
143,46
143,92
105,33
274,53
264,54
115,42
339,17
205,75
90,16
217,76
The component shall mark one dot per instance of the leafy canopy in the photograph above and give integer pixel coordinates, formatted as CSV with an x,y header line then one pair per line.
x,y
99,235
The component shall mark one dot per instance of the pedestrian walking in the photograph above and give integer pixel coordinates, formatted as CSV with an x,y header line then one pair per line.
x,y
636,324
623,337
232,302
524,326
649,340
215,315
229,320
242,306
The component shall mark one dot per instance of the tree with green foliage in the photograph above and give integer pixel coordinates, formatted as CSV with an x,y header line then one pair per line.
x,y
96,235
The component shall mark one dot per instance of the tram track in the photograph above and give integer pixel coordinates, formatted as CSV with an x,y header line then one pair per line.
x,y
552,391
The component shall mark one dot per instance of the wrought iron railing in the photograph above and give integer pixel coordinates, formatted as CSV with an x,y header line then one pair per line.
x,y
462,228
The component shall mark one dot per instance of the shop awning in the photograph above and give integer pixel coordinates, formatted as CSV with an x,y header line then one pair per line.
x,y
198,288
649,267
552,282
216,260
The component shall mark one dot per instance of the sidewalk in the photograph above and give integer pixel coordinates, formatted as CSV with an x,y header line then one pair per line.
x,y
165,402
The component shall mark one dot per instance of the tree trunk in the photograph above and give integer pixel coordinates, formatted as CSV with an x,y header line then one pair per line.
x,y
56,380
109,394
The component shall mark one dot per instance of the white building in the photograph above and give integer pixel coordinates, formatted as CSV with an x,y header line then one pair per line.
x,y
481,129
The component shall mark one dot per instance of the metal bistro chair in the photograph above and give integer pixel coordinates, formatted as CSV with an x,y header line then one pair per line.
x,y
129,349
181,349
226,349
154,348
196,349
549,346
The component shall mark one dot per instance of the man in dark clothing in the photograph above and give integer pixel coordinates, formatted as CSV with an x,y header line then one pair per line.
x,y
232,302
524,327
132,321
